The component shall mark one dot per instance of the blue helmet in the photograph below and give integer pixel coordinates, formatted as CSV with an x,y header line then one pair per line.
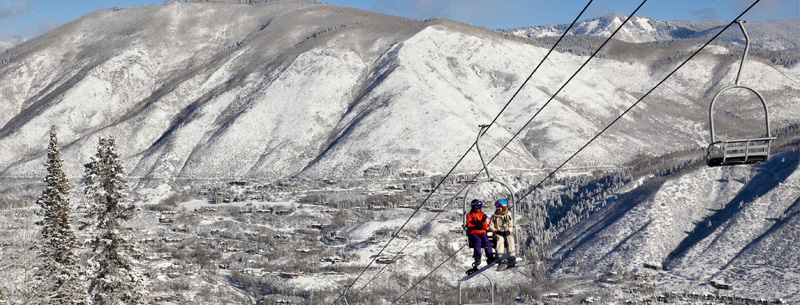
x,y
476,202
500,203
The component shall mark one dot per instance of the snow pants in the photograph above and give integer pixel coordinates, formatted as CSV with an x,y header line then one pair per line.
x,y
502,242
478,241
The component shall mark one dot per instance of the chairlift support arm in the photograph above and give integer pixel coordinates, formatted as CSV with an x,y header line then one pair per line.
x,y
491,289
746,48
483,127
737,85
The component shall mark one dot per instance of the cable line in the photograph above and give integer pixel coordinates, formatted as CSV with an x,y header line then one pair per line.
x,y
461,159
609,125
565,84
640,99
427,275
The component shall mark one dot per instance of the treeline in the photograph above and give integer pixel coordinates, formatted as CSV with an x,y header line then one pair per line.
x,y
563,202
578,45
559,204
785,58
7,203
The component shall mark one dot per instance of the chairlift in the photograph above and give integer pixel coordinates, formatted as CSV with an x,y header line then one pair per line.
x,y
510,199
489,179
740,151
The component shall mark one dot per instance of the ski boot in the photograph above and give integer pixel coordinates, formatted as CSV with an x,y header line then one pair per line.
x,y
474,266
512,262
490,259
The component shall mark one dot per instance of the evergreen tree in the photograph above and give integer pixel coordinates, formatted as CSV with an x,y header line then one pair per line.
x,y
58,278
115,281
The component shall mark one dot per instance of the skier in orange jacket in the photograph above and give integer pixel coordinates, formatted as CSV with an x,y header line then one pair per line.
x,y
476,233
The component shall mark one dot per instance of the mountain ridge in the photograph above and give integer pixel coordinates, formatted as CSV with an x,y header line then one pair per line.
x,y
228,86
778,34
187,89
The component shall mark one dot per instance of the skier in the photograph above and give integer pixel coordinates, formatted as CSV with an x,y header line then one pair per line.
x,y
476,233
502,225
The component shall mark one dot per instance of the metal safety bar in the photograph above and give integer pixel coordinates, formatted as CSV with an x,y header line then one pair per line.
x,y
734,152
491,292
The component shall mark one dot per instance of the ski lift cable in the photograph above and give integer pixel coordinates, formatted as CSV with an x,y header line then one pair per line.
x,y
640,99
566,83
539,65
441,210
543,106
557,92
429,273
465,154
529,121
590,141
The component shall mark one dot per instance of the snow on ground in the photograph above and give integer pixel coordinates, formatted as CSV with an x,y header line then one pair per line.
x,y
204,203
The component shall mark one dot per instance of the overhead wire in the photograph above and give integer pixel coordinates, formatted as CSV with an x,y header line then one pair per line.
x,y
609,125
496,117
459,160
564,85
639,100
429,273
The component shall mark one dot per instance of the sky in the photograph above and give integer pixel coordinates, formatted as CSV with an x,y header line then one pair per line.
x,y
28,18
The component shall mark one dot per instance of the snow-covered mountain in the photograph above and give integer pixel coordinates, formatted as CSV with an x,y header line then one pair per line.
x,y
730,225
10,42
287,88
226,91
772,34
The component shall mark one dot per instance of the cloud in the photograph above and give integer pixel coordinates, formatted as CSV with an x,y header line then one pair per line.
x,y
705,13
433,8
454,9
597,10
47,25
12,9
765,8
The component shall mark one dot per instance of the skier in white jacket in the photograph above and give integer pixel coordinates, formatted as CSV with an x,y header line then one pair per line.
x,y
502,224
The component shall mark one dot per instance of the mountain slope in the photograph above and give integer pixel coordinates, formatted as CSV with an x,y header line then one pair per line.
x,y
278,89
10,42
723,224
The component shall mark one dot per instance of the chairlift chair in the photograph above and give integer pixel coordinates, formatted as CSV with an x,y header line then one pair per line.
x,y
739,151
511,205
511,200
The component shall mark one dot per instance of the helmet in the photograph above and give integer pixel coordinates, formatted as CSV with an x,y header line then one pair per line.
x,y
500,203
475,202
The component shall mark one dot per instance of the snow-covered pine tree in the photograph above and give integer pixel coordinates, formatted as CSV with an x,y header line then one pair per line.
x,y
114,281
59,278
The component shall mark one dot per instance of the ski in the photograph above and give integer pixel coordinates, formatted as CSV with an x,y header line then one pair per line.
x,y
473,272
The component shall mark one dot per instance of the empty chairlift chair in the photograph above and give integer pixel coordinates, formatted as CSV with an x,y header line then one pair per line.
x,y
739,151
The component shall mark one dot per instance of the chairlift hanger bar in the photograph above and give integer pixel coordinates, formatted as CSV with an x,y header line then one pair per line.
x,y
746,49
754,150
483,130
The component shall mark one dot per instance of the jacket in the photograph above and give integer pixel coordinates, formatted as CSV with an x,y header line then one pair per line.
x,y
476,222
502,222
